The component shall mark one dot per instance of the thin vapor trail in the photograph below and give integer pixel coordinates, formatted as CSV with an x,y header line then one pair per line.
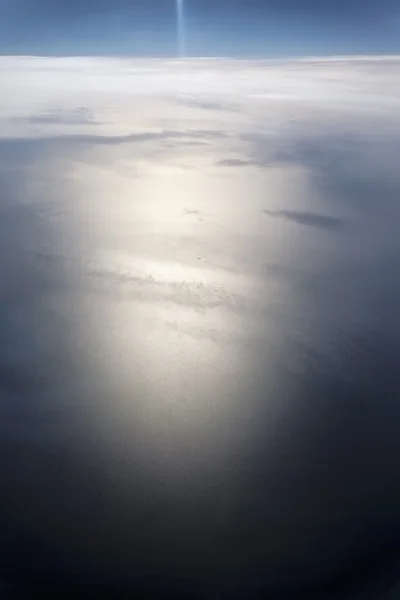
x,y
181,28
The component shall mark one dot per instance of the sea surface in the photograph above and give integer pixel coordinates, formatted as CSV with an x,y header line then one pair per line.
x,y
199,327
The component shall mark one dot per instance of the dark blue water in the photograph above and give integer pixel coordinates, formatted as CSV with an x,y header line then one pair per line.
x,y
199,372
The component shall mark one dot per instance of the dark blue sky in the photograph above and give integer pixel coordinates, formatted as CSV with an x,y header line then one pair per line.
x,y
216,27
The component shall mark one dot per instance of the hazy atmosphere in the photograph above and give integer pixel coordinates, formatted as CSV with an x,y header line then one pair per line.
x,y
199,299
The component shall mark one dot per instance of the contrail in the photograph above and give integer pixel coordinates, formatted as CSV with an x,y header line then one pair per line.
x,y
181,29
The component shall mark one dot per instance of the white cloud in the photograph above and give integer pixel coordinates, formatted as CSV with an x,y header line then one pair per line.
x,y
43,96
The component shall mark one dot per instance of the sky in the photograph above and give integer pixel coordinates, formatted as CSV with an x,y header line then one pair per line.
x,y
240,28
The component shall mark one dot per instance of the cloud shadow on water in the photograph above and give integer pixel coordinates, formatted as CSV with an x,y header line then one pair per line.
x,y
109,140
311,219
